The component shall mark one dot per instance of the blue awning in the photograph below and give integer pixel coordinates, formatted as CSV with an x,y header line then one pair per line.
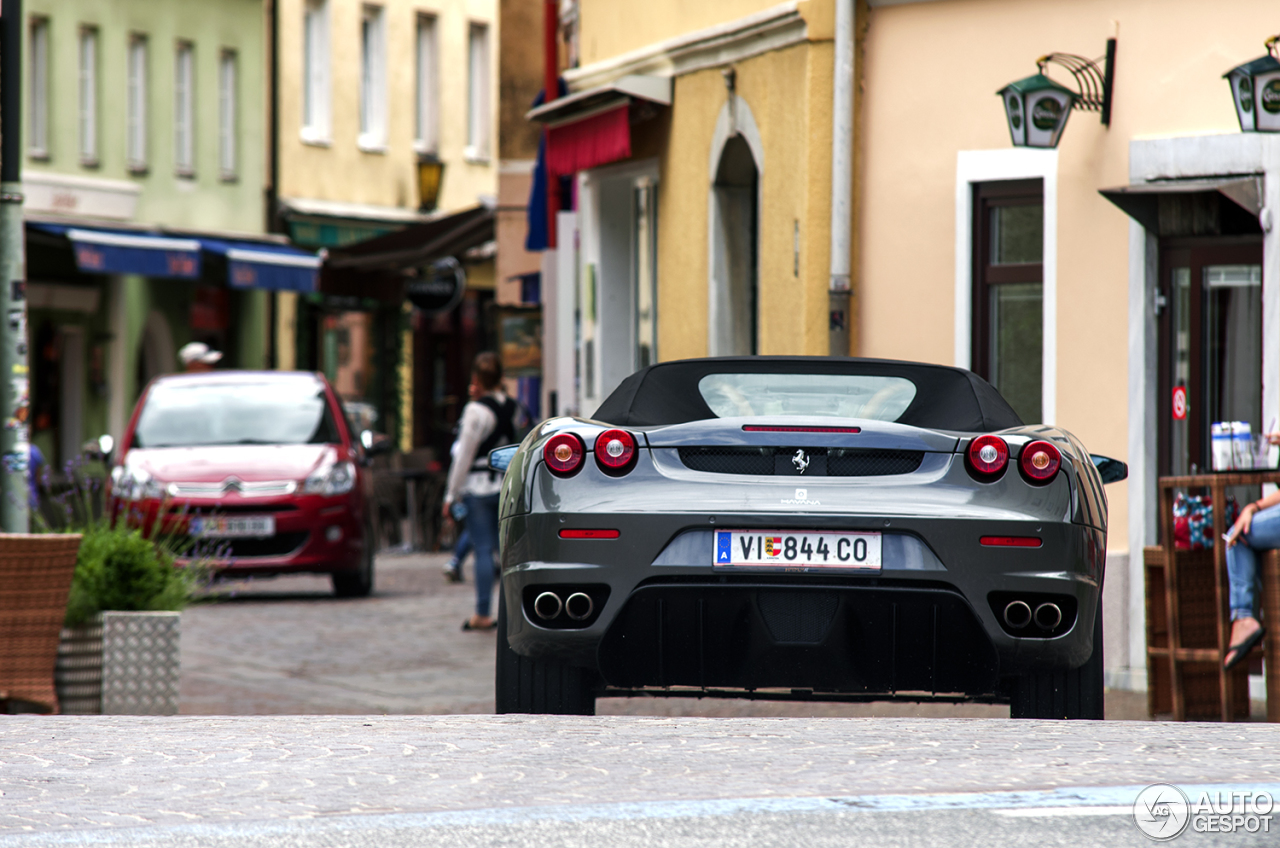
x,y
249,264
267,266
116,252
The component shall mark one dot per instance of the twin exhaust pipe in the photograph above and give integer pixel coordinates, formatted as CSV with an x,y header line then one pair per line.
x,y
577,606
1018,614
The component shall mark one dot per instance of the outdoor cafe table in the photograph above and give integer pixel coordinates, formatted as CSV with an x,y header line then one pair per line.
x,y
1188,618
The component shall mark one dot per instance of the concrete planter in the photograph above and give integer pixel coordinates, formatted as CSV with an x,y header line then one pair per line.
x,y
126,663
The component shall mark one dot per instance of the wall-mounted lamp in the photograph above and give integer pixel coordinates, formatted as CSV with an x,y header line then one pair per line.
x,y
430,175
1255,86
1037,107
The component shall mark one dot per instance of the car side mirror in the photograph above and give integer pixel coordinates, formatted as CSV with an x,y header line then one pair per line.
x,y
1111,470
500,458
375,443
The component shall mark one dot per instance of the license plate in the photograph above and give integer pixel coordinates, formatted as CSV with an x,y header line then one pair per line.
x,y
234,527
787,550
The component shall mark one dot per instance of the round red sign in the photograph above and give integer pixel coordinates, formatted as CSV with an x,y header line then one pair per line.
x,y
1179,403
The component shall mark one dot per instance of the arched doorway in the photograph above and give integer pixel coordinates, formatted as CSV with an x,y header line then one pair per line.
x,y
737,161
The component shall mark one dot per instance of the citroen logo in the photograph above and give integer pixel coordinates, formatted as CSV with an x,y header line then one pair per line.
x,y
232,484
800,461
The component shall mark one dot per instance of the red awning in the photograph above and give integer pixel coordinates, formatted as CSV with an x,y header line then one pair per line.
x,y
595,140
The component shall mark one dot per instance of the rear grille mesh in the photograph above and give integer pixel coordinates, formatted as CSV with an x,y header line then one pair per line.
x,y
872,463
840,462
729,460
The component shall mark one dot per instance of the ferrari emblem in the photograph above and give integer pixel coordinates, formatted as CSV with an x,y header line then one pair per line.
x,y
800,461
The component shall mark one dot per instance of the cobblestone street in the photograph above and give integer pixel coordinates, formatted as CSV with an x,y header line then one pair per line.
x,y
287,646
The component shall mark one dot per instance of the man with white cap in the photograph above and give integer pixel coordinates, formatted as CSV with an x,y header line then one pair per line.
x,y
198,356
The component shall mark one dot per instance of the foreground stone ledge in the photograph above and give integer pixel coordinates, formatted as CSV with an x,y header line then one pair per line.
x,y
75,773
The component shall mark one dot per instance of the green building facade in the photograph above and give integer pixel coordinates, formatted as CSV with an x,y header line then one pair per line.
x,y
145,126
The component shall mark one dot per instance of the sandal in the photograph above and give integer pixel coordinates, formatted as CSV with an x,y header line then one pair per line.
x,y
1242,649
467,625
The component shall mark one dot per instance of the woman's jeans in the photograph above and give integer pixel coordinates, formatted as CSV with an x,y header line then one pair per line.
x,y
1242,561
462,547
482,526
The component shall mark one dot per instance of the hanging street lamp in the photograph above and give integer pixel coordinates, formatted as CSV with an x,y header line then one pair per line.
x,y
430,175
1037,107
1255,87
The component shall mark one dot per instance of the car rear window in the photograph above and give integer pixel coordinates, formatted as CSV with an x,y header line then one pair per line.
x,y
268,413
877,397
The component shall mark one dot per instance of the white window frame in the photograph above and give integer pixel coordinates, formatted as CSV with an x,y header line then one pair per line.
x,y
316,91
184,109
427,113
136,104
228,115
38,91
984,166
479,98
87,55
373,80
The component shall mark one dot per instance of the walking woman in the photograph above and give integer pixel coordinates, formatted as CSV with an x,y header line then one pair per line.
x,y
488,422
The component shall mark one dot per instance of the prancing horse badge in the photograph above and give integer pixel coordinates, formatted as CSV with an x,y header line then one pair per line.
x,y
800,461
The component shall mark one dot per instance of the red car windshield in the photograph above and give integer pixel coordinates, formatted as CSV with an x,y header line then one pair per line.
x,y
266,413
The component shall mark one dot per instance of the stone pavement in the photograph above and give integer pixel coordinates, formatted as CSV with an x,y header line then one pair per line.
x,y
286,646
82,774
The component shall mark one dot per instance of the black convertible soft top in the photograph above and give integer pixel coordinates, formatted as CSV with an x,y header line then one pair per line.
x,y
946,398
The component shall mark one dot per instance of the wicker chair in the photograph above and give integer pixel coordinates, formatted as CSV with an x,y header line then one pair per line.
x,y
35,580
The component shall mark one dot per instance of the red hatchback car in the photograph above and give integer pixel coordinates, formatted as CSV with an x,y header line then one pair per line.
x,y
260,468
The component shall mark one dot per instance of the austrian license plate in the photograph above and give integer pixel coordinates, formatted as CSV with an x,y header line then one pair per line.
x,y
770,550
234,527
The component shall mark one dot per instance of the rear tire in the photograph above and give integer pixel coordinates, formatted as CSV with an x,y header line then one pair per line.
x,y
538,687
1057,694
357,583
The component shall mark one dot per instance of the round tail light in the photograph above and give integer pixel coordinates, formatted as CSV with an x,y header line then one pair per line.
x,y
615,451
563,454
1040,461
988,455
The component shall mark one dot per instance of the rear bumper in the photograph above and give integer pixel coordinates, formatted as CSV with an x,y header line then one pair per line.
x,y
927,622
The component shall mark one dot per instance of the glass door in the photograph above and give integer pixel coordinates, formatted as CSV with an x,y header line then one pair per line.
x,y
1210,312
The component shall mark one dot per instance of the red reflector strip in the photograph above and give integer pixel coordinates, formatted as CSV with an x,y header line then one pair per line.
x,y
589,534
760,428
1011,541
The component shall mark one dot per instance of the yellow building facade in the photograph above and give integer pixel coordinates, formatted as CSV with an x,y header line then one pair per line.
x,y
714,237
370,96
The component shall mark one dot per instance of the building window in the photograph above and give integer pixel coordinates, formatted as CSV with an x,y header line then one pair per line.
x,y
426,138
373,84
184,110
227,122
478,93
315,82
1008,297
89,97
136,106
38,131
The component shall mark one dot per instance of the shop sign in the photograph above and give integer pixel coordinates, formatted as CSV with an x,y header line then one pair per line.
x,y
437,287
1179,403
